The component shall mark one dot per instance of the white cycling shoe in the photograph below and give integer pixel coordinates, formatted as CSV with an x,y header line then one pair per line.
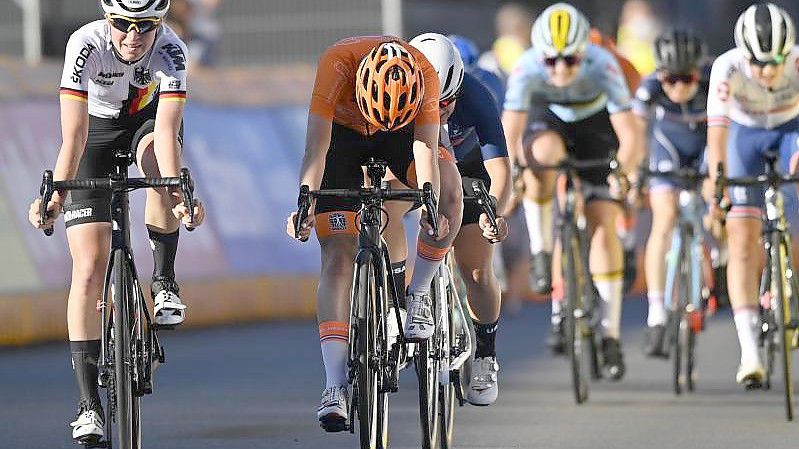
x,y
419,324
168,309
751,375
88,427
483,386
332,412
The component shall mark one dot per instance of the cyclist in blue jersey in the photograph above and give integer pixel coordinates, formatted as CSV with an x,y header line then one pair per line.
x,y
472,129
469,54
674,99
566,96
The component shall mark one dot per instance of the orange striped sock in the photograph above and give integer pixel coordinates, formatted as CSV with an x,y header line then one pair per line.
x,y
333,339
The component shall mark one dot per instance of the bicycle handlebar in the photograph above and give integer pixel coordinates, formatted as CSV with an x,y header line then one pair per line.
x,y
48,187
486,202
420,197
679,174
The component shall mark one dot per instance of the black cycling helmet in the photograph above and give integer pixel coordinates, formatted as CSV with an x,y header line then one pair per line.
x,y
678,51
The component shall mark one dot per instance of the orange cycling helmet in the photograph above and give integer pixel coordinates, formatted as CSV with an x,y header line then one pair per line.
x,y
389,86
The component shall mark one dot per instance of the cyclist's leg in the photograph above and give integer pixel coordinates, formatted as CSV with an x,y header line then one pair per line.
x,y
337,234
663,193
544,143
88,220
744,158
396,239
162,228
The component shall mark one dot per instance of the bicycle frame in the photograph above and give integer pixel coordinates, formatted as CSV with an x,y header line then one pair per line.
x,y
687,242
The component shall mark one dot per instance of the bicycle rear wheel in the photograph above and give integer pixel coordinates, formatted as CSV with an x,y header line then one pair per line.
x,y
780,301
576,346
446,394
128,416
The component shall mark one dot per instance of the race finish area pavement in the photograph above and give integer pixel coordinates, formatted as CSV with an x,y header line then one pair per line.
x,y
258,386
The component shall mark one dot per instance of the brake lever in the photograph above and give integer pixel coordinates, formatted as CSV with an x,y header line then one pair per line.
x,y
303,205
187,188
431,204
46,192
486,202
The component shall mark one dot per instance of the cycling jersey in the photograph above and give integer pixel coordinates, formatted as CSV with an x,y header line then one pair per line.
x,y
114,88
494,83
334,89
600,84
474,124
679,131
735,96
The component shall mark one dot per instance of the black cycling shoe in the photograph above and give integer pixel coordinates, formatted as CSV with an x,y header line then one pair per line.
x,y
630,269
541,273
655,336
556,341
613,358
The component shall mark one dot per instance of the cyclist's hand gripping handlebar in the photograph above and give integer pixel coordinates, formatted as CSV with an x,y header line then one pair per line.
x,y
303,206
46,191
187,189
431,204
486,202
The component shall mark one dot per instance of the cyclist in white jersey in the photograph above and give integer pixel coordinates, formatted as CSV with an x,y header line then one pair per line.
x,y
123,88
566,96
752,108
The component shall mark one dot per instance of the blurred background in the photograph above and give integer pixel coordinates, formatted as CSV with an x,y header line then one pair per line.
x,y
251,73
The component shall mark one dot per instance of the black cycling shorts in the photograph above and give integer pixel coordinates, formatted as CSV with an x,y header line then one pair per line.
x,y
590,138
106,136
348,151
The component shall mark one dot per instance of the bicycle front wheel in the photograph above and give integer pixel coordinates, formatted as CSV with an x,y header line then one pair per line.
x,y
446,394
366,386
780,301
576,346
427,366
127,412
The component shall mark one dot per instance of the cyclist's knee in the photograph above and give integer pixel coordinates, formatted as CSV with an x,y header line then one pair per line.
x,y
88,272
451,197
338,253
544,148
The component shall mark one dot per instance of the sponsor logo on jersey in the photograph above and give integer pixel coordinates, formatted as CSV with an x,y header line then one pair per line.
x,y
176,54
78,213
108,75
174,84
142,76
338,222
80,62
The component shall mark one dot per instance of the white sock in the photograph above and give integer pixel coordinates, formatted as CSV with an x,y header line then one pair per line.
x,y
609,287
657,311
333,341
557,306
426,263
539,225
745,323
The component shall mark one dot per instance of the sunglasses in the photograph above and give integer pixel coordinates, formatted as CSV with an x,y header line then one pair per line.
x,y
674,78
774,62
125,24
570,60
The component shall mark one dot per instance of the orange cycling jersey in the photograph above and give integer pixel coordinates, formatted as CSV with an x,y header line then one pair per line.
x,y
334,89
631,75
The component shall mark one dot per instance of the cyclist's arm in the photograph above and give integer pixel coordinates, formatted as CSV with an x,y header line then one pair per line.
x,y
514,122
317,143
425,155
716,149
74,132
498,170
168,120
719,92
628,131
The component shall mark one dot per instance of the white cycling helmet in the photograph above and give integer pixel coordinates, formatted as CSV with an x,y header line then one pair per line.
x,y
136,9
444,57
765,32
561,30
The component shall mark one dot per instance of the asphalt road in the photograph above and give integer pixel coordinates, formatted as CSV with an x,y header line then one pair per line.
x,y
258,387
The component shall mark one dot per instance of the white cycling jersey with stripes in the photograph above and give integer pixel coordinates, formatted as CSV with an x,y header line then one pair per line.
x,y
114,88
735,95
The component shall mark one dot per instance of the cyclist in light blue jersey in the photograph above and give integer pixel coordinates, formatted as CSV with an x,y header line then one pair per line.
x,y
566,96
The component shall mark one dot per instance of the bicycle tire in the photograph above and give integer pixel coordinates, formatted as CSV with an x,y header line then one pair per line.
x,y
766,325
676,323
427,368
446,394
366,382
128,416
572,325
690,353
784,334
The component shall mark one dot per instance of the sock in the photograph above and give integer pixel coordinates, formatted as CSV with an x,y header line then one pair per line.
x,y
428,258
398,272
165,247
745,322
657,311
333,336
85,355
538,215
486,337
609,286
